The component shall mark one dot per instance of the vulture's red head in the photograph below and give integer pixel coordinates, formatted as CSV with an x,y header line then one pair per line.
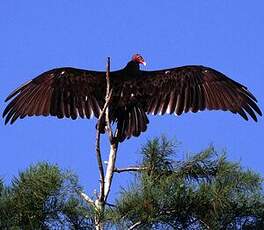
x,y
138,59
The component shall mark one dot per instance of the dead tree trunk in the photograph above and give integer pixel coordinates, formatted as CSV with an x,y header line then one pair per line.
x,y
105,178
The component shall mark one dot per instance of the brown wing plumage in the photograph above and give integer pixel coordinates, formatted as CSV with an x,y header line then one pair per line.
x,y
70,92
193,88
63,92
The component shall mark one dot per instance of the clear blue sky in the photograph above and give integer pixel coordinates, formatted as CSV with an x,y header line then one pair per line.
x,y
40,35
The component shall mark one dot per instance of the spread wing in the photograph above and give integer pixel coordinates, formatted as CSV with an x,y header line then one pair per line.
x,y
63,92
193,88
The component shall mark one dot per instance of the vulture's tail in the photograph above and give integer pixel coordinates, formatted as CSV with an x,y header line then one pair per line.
x,y
130,122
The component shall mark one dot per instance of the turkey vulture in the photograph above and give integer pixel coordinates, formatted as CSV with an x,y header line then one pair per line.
x,y
70,92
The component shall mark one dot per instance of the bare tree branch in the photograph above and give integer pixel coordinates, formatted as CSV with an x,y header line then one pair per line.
x,y
102,113
111,205
134,226
110,167
101,201
130,169
108,92
105,111
99,161
205,224
113,143
105,181
86,197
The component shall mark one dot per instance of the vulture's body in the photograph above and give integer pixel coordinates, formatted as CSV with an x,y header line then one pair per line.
x,y
70,92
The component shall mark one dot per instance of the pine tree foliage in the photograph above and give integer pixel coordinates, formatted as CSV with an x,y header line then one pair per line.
x,y
43,197
206,191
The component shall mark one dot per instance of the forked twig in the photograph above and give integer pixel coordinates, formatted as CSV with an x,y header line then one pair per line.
x,y
113,143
